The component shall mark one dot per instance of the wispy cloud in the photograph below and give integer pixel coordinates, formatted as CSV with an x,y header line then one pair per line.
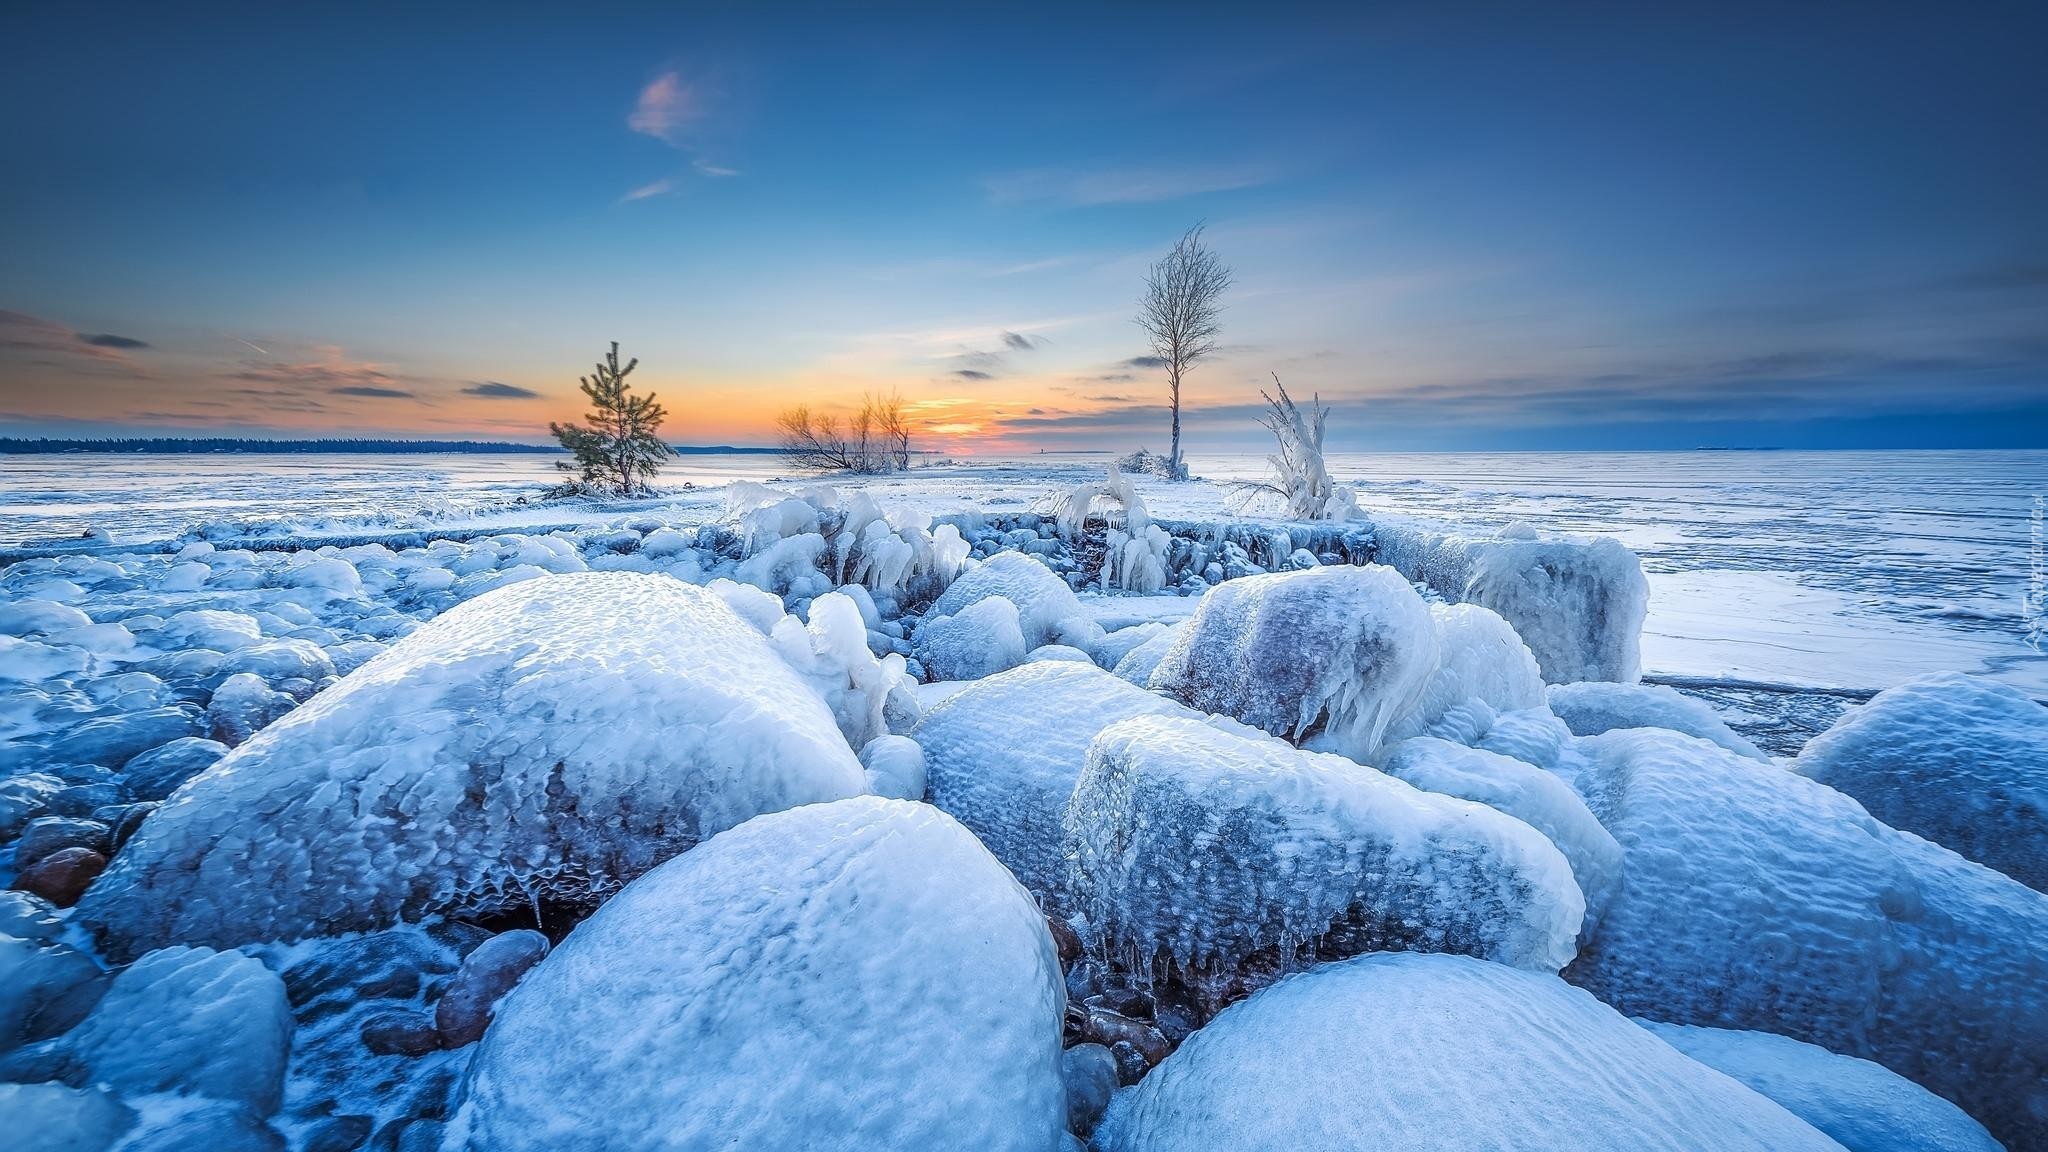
x,y
22,333
372,392
491,389
1123,185
109,340
666,107
972,374
658,188
1019,342
713,169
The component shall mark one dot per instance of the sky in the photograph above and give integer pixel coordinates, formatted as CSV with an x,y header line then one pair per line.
x,y
1462,226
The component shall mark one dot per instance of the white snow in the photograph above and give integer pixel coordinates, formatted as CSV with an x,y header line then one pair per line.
x,y
1228,858
1957,759
859,974
548,741
1003,754
1758,899
1538,798
1593,707
1442,1052
1861,1105
1331,655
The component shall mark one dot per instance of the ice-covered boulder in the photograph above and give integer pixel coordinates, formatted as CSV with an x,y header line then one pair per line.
x,y
1330,655
1957,759
545,742
1863,1106
856,975
980,640
1411,1051
1480,661
894,767
1138,664
1757,899
55,1118
1229,858
1593,707
1578,603
1048,611
1537,798
189,1021
1002,757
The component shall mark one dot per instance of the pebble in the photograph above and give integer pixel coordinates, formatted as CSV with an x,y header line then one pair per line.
x,y
47,835
339,1134
28,917
1106,1027
1130,1063
1066,940
400,1032
487,973
1092,1074
62,876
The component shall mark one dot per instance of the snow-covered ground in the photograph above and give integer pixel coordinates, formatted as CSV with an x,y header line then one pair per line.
x,y
1000,805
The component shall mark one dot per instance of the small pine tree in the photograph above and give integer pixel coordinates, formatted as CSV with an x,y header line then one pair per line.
x,y
619,449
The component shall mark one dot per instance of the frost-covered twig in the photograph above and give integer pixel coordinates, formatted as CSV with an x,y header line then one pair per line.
x,y
1301,476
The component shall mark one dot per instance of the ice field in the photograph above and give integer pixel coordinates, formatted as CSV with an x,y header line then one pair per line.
x,y
1636,800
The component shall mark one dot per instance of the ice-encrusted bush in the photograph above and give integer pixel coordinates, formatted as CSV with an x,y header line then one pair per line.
x,y
821,538
543,743
1593,707
1227,859
1538,798
860,974
1002,757
1578,603
1301,476
1134,549
1862,1106
1758,899
1329,656
1399,1050
1960,760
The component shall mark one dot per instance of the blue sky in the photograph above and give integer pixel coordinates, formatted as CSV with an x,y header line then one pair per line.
x,y
1713,224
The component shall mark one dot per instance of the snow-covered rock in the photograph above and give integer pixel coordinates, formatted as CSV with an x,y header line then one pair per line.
x,y
1228,859
1957,759
545,742
1479,659
1002,757
894,767
1048,611
859,974
1537,798
980,640
1758,899
1578,603
1330,655
56,1118
1593,707
242,706
1412,1051
1863,1106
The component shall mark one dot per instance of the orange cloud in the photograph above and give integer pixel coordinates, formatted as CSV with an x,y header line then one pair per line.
x,y
665,107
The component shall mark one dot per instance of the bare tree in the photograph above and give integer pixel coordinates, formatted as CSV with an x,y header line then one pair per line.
x,y
620,446
1183,297
875,439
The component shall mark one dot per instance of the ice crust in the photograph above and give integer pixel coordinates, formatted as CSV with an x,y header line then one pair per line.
x,y
1863,1106
860,974
1333,655
1229,858
548,741
1003,755
1048,611
1479,659
1593,707
1401,1050
1578,603
1757,899
1959,760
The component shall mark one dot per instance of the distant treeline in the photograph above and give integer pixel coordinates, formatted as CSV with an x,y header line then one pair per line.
x,y
230,444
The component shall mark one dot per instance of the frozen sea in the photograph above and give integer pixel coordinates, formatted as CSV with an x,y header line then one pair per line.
x,y
1830,570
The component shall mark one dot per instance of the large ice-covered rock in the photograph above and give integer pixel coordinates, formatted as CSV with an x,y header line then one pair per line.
x,y
980,640
56,1118
1481,663
1593,707
1411,1051
852,975
1330,655
1537,798
1578,603
1959,760
1229,858
1048,611
544,742
1002,757
1863,1106
1758,899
